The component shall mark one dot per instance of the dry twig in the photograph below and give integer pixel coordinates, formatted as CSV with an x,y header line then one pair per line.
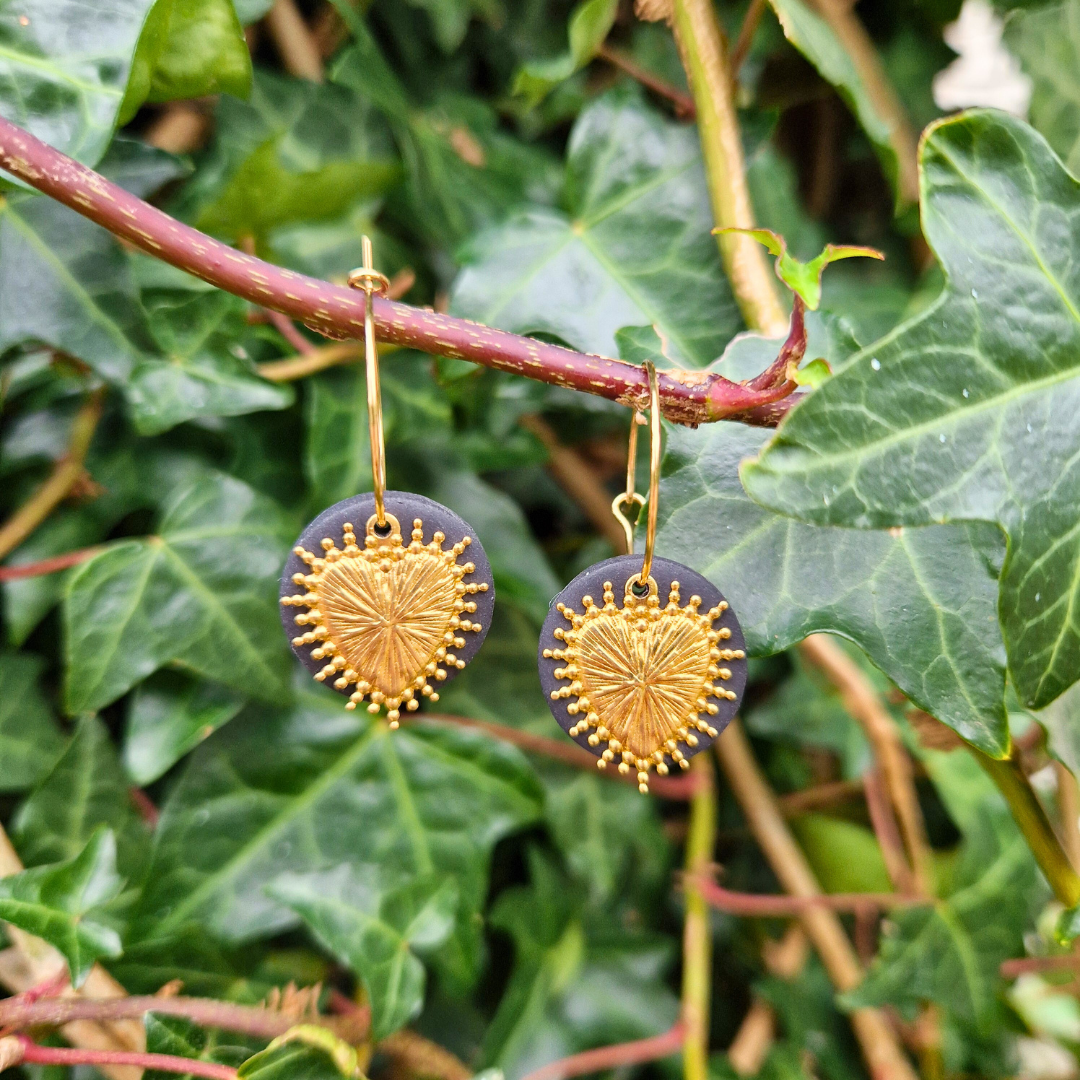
x,y
65,475
865,705
882,1052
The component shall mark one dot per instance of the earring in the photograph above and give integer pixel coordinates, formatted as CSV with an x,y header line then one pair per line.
x,y
643,684
389,617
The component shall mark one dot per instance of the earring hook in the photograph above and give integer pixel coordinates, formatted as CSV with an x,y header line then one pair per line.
x,y
654,470
630,495
372,282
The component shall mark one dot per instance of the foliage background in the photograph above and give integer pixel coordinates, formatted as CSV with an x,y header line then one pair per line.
x,y
510,908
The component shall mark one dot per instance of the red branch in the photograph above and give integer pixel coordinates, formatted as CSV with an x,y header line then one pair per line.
x,y
612,1057
680,788
756,905
18,1013
338,312
63,1055
1028,965
47,566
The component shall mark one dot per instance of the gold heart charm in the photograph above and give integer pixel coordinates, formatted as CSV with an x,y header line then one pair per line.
x,y
386,615
640,675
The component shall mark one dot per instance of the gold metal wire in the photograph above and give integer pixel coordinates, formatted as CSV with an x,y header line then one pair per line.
x,y
630,495
654,469
368,279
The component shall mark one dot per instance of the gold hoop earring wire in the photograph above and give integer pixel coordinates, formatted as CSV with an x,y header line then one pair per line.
x,y
630,495
368,279
654,469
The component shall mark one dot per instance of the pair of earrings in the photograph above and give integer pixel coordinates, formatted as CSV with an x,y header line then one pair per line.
x,y
642,684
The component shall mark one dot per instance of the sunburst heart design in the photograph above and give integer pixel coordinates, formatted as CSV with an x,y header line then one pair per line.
x,y
387,614
642,674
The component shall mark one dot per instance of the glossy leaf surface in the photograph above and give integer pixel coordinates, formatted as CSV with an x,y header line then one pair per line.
x,y
200,592
60,903
633,247
955,439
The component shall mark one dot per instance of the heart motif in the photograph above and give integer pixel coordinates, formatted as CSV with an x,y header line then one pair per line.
x,y
386,614
642,674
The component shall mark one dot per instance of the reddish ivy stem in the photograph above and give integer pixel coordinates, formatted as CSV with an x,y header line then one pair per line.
x,y
34,1054
47,566
757,905
613,1057
338,312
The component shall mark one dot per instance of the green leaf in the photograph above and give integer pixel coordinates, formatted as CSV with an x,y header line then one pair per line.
x,y
590,23
199,372
951,952
60,903
1046,40
179,1037
337,450
817,41
804,712
169,715
375,931
85,790
63,69
804,278
633,247
573,987
785,580
29,739
289,1062
64,282
296,151
612,839
200,593
523,576
845,857
966,412
308,789
188,49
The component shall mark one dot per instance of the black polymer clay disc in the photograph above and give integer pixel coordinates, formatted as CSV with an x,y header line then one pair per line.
x,y
590,583
406,507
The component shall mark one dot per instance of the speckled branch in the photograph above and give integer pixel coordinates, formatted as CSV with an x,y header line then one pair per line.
x,y
338,312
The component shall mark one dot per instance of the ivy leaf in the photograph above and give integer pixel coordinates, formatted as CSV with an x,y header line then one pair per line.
x,y
85,790
179,1037
1046,41
633,247
950,952
169,715
590,23
375,931
289,1061
29,739
188,49
199,372
64,282
812,35
314,787
785,580
523,576
199,593
63,69
804,278
296,151
60,903
571,990
966,413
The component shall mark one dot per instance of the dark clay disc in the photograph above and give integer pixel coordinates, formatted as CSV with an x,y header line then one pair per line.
x,y
618,570
406,507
